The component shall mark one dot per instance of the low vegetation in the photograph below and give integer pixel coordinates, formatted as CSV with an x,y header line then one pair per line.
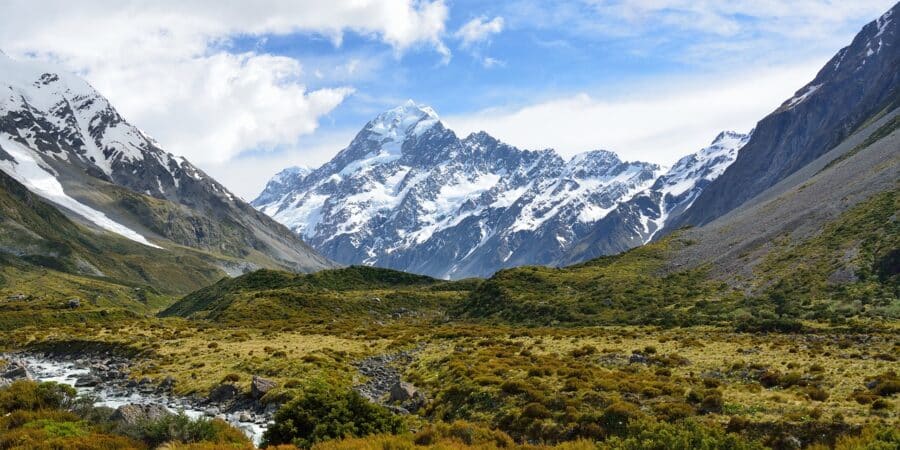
x,y
49,415
615,353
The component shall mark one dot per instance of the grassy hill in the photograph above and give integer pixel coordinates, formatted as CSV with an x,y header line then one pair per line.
x,y
358,293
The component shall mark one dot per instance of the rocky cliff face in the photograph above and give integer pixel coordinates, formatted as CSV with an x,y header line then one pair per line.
x,y
858,83
408,194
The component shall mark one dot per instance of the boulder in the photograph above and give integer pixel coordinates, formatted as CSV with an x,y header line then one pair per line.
x,y
260,386
402,391
223,393
73,303
132,414
15,371
167,384
89,380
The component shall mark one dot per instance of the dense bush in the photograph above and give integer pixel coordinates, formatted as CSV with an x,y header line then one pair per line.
x,y
687,435
321,413
31,396
181,428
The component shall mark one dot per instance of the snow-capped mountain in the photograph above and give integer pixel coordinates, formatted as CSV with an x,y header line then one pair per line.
x,y
64,141
641,218
408,194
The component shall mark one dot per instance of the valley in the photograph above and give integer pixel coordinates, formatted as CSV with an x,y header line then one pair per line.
x,y
423,290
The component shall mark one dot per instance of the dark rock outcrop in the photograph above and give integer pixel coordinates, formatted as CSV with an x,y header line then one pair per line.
x,y
260,386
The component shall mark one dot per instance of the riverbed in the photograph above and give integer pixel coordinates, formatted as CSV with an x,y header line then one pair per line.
x,y
113,396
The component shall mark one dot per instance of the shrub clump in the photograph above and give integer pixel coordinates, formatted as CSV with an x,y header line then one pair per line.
x,y
321,414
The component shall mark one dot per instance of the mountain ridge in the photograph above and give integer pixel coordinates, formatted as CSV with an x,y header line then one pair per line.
x,y
65,142
409,194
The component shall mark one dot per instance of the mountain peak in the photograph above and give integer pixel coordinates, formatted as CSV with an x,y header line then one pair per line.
x,y
408,119
595,158
291,172
727,138
398,124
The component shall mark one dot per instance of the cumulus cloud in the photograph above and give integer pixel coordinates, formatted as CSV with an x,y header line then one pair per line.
x,y
660,123
167,67
478,30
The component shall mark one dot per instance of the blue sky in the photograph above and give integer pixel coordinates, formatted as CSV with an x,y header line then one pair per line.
x,y
246,88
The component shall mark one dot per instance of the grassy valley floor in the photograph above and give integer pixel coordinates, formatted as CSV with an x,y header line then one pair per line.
x,y
541,385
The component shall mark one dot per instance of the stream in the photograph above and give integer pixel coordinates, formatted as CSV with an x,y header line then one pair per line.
x,y
114,395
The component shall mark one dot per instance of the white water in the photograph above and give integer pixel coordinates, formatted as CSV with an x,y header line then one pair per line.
x,y
67,372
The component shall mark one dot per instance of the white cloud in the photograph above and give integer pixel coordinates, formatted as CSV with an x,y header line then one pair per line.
x,y
659,124
165,64
489,62
704,33
797,18
248,174
478,30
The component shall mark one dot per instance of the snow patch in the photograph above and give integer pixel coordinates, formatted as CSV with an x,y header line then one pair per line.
x,y
29,170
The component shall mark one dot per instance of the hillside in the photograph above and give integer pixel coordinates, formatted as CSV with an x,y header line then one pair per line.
x,y
65,142
860,83
833,263
358,293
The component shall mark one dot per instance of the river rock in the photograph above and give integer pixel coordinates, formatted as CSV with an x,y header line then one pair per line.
x,y
133,413
15,371
167,384
260,386
402,391
223,393
87,381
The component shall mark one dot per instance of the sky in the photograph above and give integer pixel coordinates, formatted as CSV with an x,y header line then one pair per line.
x,y
244,89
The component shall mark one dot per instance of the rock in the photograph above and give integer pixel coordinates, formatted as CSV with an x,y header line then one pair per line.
x,y
791,442
17,297
167,384
16,371
271,409
132,414
73,303
89,380
402,391
637,358
212,411
223,393
245,418
259,386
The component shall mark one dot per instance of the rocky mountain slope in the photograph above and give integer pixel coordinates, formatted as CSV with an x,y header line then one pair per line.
x,y
860,82
64,141
408,194
36,238
643,217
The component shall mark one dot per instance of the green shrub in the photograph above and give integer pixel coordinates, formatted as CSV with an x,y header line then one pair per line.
x,y
618,415
181,428
687,435
321,414
535,411
31,396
